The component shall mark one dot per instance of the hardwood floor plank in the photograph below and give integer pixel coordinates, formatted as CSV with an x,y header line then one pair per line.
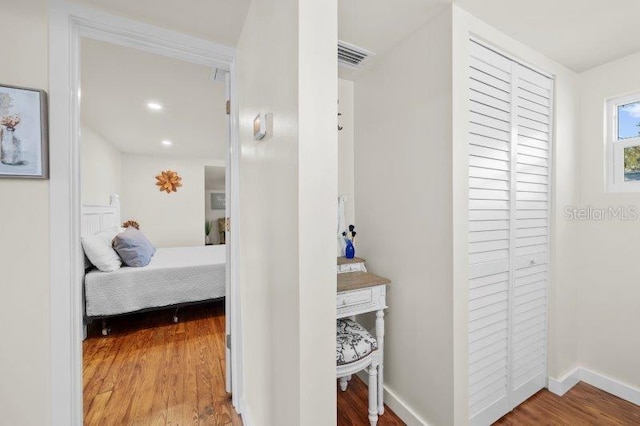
x,y
129,388
158,413
190,402
100,402
176,393
97,365
204,381
150,383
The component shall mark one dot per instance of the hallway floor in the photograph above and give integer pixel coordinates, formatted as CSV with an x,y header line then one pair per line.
x,y
582,405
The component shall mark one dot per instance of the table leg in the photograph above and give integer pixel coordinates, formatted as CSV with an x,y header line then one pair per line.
x,y
373,413
380,338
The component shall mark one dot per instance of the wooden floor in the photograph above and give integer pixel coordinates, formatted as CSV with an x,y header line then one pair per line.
x,y
150,371
581,406
584,405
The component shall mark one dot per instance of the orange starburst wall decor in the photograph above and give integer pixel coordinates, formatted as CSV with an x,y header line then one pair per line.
x,y
168,181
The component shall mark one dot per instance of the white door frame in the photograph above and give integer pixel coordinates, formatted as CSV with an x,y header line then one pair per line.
x,y
67,23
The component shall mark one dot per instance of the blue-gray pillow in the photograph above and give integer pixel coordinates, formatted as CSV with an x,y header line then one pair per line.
x,y
133,247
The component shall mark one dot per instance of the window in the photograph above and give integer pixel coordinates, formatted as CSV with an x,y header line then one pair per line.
x,y
623,144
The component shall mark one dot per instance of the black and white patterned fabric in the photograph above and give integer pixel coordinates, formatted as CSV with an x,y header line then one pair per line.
x,y
353,342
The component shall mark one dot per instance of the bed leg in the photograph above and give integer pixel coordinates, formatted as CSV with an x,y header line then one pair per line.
x,y
105,330
175,315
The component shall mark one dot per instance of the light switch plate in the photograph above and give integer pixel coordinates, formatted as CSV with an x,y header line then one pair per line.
x,y
260,126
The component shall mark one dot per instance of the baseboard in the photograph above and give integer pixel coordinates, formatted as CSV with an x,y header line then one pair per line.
x,y
397,405
563,384
613,386
247,420
402,409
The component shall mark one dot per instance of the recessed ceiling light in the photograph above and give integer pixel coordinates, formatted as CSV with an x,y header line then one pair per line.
x,y
166,143
154,106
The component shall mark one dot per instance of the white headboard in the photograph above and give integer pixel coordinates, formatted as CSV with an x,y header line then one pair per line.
x,y
96,219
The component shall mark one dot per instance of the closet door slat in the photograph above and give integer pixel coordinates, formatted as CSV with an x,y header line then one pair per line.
x,y
490,92
532,115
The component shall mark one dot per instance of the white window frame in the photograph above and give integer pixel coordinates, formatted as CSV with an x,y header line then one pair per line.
x,y
615,147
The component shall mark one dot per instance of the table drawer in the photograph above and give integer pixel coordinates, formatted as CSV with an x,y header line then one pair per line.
x,y
360,301
353,298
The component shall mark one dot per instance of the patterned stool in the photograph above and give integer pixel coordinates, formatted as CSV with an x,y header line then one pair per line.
x,y
356,350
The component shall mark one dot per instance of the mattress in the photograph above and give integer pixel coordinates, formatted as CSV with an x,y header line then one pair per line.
x,y
174,275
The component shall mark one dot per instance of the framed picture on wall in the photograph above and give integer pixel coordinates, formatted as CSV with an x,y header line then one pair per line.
x,y
23,133
218,201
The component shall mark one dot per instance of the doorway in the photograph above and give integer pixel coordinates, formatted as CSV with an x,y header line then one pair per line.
x,y
155,347
68,25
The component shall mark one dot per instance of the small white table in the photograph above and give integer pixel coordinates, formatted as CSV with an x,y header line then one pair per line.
x,y
360,292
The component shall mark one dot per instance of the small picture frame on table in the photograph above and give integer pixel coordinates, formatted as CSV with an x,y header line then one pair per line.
x,y
24,144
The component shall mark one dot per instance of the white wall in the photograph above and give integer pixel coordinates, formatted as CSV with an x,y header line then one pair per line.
x,y
101,166
24,241
346,148
168,220
317,196
213,215
607,278
563,328
403,211
287,66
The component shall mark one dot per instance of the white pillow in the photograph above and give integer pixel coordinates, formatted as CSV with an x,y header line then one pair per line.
x,y
100,252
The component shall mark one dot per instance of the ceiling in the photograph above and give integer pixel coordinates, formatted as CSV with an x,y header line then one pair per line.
x,y
117,84
377,25
220,21
577,33
214,178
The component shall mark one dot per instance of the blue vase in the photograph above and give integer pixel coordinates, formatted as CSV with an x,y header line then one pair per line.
x,y
350,250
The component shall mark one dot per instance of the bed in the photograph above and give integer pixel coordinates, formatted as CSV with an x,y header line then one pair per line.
x,y
175,277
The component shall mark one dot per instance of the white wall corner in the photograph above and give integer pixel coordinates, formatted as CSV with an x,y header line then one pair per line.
x,y
563,384
402,410
396,404
613,386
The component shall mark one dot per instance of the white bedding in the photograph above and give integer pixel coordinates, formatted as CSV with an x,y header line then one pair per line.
x,y
175,275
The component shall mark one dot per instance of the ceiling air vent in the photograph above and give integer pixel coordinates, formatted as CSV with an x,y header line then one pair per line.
x,y
351,56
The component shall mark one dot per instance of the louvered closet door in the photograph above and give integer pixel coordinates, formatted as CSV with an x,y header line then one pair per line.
x,y
509,112
530,263
489,233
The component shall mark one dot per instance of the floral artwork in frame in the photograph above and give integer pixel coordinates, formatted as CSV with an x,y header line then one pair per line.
x,y
23,133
